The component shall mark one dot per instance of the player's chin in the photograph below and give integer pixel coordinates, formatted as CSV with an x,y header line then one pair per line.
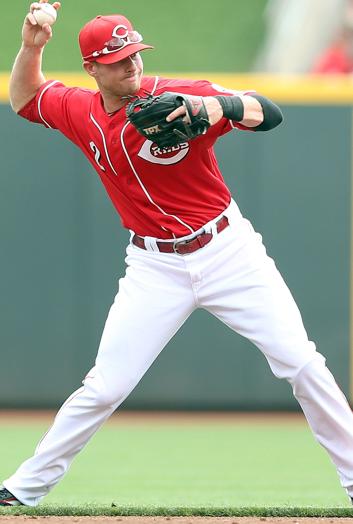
x,y
132,85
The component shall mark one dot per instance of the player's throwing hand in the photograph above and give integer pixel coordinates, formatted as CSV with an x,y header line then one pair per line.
x,y
34,35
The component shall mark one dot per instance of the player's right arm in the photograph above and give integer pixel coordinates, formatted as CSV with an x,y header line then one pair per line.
x,y
27,77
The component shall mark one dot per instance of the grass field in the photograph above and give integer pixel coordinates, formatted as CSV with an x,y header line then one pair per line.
x,y
206,466
188,36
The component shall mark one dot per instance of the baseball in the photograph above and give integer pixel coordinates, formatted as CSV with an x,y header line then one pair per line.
x,y
45,14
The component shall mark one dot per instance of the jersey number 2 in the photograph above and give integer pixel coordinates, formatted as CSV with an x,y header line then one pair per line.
x,y
97,155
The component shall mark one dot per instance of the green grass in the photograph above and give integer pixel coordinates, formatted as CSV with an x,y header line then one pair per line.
x,y
217,469
162,511
188,35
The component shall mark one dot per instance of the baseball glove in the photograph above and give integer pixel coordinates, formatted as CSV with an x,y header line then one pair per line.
x,y
149,114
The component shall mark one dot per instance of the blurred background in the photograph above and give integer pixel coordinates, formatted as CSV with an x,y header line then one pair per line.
x,y
62,245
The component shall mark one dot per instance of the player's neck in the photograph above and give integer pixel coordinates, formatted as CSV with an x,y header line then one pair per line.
x,y
112,104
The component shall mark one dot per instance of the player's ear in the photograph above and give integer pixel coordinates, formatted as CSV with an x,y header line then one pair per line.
x,y
90,68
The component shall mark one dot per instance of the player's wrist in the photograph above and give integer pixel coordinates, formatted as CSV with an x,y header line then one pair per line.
x,y
232,107
31,49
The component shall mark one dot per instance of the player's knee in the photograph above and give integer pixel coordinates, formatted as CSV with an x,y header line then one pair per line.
x,y
312,372
288,364
104,393
115,394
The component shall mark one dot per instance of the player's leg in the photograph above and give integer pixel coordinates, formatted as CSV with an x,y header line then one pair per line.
x,y
244,289
153,301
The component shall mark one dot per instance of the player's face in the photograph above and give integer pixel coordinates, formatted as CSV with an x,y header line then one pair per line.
x,y
121,78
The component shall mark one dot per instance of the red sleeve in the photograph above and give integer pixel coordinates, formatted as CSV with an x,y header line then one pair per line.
x,y
58,107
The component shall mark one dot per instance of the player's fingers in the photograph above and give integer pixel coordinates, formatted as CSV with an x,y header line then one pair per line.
x,y
57,5
180,111
34,6
30,19
47,29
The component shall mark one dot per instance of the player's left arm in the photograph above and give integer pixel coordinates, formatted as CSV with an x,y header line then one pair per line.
x,y
252,111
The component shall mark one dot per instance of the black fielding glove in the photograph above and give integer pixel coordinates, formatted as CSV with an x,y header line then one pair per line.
x,y
148,115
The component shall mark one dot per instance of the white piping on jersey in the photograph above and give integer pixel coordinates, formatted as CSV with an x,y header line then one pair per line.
x,y
40,100
233,126
143,187
155,85
104,143
152,93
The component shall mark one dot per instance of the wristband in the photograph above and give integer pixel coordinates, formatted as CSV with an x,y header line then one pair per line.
x,y
233,107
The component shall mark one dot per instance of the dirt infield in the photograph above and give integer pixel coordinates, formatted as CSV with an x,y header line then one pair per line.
x,y
166,417
173,520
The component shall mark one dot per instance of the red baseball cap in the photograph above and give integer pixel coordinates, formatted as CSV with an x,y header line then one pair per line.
x,y
109,39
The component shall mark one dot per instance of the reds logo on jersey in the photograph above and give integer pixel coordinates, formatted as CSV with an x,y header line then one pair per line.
x,y
163,155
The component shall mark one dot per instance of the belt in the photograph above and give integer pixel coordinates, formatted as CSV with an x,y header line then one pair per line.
x,y
184,247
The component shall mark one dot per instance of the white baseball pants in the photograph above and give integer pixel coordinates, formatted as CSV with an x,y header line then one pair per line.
x,y
234,279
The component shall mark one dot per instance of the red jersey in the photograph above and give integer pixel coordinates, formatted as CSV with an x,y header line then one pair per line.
x,y
163,193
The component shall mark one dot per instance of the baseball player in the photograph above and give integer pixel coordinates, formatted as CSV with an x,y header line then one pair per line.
x,y
190,246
